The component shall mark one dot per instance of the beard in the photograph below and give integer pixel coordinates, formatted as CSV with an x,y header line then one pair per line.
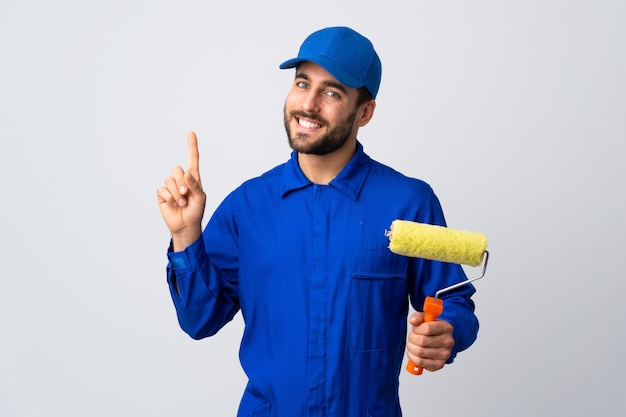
x,y
333,140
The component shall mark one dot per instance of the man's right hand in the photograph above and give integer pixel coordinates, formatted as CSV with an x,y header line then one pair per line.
x,y
182,199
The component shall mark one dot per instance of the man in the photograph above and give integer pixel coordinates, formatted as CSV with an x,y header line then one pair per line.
x,y
301,251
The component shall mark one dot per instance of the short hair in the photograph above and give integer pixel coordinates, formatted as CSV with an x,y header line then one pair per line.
x,y
363,97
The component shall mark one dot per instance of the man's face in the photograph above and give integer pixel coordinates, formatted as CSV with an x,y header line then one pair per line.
x,y
320,113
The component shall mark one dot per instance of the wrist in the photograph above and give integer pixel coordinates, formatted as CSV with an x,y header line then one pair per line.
x,y
183,238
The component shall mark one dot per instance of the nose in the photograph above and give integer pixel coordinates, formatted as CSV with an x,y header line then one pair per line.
x,y
310,101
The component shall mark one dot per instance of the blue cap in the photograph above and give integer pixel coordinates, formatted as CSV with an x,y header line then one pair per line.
x,y
345,54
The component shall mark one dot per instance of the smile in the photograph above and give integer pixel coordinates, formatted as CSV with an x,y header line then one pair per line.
x,y
308,124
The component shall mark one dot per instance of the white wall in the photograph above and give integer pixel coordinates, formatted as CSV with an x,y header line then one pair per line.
x,y
514,111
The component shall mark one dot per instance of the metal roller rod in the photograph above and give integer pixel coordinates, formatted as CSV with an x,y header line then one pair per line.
x,y
451,287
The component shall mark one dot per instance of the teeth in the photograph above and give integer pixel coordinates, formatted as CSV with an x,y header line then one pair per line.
x,y
309,125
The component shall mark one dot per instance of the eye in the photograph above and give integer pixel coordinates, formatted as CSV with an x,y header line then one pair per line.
x,y
332,94
302,84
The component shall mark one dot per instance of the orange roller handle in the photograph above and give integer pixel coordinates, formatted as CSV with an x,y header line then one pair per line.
x,y
433,307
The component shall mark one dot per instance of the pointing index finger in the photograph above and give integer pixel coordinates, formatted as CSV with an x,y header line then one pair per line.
x,y
194,155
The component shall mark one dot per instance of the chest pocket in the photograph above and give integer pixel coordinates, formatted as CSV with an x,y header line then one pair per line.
x,y
378,300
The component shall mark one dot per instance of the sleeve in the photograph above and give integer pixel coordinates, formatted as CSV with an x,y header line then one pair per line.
x,y
431,276
203,283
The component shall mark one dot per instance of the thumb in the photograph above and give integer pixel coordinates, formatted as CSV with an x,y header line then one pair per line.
x,y
416,318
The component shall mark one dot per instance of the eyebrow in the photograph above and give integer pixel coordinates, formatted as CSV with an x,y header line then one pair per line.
x,y
327,83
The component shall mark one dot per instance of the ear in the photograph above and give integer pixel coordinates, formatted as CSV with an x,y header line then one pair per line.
x,y
366,113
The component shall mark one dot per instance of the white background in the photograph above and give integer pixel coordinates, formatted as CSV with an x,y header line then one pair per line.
x,y
514,111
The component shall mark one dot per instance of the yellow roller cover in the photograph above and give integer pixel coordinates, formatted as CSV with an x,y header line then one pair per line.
x,y
419,240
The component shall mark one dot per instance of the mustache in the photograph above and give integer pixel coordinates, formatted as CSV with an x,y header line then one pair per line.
x,y
311,116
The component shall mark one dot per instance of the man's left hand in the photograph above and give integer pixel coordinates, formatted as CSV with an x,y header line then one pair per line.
x,y
429,344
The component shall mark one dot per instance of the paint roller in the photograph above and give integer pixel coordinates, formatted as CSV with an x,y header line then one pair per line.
x,y
437,243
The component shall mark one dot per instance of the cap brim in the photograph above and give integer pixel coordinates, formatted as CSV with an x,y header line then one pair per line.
x,y
333,69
